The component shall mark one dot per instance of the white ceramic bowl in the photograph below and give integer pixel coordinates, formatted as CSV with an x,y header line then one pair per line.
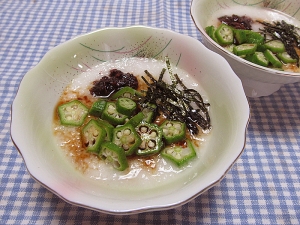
x,y
257,80
41,87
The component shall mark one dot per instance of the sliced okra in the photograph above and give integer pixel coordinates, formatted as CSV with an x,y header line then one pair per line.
x,y
111,114
210,30
108,128
173,131
136,119
126,137
151,136
114,155
126,92
224,34
125,106
149,112
179,153
72,113
275,46
97,108
244,49
92,136
229,47
248,36
272,58
259,59
286,58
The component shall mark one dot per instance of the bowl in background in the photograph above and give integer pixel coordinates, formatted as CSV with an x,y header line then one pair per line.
x,y
257,80
41,87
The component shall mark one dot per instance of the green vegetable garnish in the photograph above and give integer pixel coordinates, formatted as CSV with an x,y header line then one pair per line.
x,y
72,113
179,153
114,155
111,114
127,138
125,106
224,34
97,108
151,136
92,136
173,131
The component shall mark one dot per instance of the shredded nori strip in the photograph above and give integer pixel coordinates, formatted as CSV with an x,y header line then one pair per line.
x,y
280,30
176,102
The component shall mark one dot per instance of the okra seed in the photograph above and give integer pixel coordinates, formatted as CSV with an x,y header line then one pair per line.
x,y
95,133
151,144
144,129
130,139
119,134
143,145
176,132
170,151
177,126
153,134
127,132
111,109
125,146
127,95
168,125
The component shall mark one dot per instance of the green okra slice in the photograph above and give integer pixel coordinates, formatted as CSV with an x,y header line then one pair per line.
x,y
286,58
72,113
248,36
210,30
229,47
259,59
240,35
244,49
149,112
92,136
127,138
173,131
136,119
179,153
108,128
224,34
151,136
272,58
113,155
111,114
125,106
97,108
126,92
275,46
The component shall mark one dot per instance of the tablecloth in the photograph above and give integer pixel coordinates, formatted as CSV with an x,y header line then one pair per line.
x,y
263,187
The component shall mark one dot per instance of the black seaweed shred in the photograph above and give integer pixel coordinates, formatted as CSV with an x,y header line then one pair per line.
x,y
287,33
176,102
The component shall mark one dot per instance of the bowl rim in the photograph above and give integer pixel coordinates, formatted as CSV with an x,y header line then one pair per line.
x,y
146,208
233,56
